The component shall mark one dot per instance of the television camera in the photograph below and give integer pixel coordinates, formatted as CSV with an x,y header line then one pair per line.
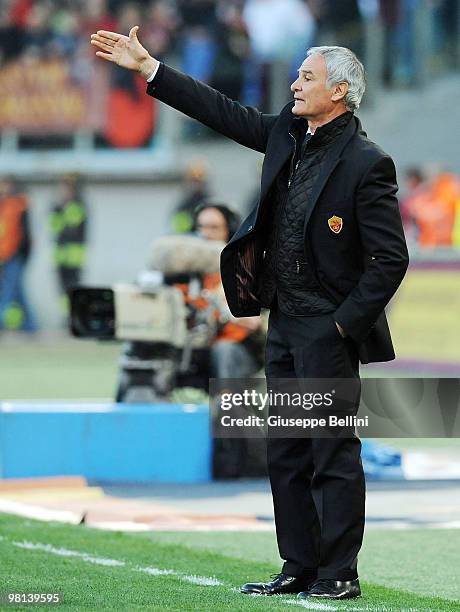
x,y
167,320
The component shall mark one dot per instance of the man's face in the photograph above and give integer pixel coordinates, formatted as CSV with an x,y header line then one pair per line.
x,y
312,96
211,224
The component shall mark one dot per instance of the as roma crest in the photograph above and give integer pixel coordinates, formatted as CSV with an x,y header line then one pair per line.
x,y
335,224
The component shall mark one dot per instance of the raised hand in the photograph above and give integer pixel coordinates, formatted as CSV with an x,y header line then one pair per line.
x,y
125,51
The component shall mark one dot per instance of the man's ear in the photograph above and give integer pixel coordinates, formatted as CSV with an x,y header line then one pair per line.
x,y
339,91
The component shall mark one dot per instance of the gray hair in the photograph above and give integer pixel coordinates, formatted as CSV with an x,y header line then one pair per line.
x,y
343,65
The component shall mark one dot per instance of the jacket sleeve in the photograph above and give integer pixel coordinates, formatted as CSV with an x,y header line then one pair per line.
x,y
383,241
243,124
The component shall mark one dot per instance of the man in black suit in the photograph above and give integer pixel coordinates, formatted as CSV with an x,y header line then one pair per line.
x,y
324,249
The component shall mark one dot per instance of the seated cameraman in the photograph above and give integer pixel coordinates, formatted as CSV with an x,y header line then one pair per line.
x,y
238,348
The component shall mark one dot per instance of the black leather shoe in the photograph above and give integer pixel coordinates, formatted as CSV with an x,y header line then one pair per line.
x,y
332,589
281,583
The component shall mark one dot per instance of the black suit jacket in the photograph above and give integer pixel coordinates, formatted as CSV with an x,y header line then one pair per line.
x,y
361,266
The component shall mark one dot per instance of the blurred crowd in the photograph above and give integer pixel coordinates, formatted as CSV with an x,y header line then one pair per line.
x,y
229,43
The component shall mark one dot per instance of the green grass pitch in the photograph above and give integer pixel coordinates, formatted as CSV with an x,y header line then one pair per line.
x,y
107,570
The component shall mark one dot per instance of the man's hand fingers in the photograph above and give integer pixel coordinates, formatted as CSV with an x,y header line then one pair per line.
x,y
133,32
102,45
107,41
112,35
106,56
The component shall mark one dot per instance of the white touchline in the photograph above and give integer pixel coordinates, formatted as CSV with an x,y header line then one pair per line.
x,y
201,580
310,605
156,571
152,571
345,606
64,552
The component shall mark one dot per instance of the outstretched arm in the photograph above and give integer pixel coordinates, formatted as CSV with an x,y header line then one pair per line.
x,y
246,125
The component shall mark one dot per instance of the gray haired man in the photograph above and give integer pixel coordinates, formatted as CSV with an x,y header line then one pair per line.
x,y
324,250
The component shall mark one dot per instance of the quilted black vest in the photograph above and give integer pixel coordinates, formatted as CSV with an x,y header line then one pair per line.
x,y
286,271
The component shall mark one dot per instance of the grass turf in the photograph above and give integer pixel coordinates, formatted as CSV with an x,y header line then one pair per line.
x,y
86,585
47,368
424,561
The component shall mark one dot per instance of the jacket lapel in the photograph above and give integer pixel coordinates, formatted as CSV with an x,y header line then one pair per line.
x,y
285,148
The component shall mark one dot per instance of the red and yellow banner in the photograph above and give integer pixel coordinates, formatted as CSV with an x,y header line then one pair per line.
x,y
53,97
41,96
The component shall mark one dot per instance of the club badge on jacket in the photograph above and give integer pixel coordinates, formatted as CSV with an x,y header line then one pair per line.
x,y
335,224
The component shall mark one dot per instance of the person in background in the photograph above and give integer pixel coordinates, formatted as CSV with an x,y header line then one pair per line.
x,y
389,19
68,224
11,35
96,14
342,22
66,31
278,30
405,68
38,31
15,313
238,346
161,26
198,37
196,189
414,186
232,53
433,208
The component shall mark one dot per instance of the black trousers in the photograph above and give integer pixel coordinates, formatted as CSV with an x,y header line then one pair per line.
x,y
318,485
